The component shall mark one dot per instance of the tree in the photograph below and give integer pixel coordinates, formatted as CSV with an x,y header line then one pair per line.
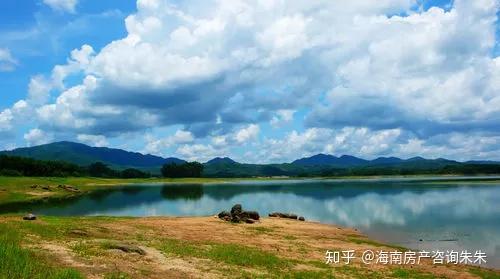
x,y
191,169
99,169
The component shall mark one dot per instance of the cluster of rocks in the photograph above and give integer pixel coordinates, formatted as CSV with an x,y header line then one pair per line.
x,y
287,216
62,187
46,188
237,215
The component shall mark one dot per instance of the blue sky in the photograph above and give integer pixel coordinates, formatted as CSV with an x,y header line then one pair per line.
x,y
259,81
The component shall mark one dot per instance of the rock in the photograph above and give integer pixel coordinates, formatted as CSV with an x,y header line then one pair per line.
x,y
30,217
283,215
127,248
79,232
252,215
68,188
235,218
249,221
46,188
223,214
227,218
302,218
236,210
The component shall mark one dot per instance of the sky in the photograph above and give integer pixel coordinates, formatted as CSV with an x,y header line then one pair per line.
x,y
261,81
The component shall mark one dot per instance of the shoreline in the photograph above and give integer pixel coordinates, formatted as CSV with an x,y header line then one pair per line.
x,y
161,247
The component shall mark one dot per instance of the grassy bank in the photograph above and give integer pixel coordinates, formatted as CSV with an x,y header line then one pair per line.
x,y
204,247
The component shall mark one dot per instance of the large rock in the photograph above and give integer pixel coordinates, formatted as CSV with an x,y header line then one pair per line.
x,y
30,217
252,215
302,218
236,210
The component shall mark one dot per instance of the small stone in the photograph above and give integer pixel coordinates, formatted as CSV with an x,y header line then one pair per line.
x,y
127,248
79,232
30,217
301,218
223,214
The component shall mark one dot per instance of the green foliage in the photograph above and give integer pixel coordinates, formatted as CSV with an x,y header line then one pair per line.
x,y
20,166
191,169
16,166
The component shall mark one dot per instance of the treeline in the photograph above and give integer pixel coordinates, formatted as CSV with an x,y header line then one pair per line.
x,y
191,169
20,166
462,169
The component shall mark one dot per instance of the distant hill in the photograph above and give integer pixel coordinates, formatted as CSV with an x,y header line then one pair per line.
x,y
219,160
330,160
317,165
347,161
83,155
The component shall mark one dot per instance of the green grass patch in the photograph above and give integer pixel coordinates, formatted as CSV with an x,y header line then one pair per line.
x,y
411,274
485,273
18,262
358,240
86,250
232,254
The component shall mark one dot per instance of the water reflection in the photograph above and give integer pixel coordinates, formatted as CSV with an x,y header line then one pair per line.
x,y
447,216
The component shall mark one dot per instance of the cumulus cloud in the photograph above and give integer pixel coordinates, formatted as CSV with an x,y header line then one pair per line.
x,y
157,146
62,5
93,140
7,61
37,137
371,77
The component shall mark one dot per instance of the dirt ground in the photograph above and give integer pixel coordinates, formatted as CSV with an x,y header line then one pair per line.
x,y
207,247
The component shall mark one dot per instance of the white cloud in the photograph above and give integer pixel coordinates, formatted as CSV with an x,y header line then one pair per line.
x,y
198,152
251,132
37,137
222,68
157,146
282,116
62,5
7,61
93,140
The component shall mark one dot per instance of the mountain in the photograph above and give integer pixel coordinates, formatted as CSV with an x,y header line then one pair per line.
x,y
386,161
83,155
219,160
330,160
351,161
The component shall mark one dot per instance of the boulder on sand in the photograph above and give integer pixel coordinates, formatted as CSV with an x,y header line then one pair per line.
x,y
283,215
302,218
236,209
30,217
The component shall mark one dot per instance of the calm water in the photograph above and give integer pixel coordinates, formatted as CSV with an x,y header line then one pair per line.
x,y
455,215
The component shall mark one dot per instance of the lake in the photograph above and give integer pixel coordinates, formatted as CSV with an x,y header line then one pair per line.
x,y
415,213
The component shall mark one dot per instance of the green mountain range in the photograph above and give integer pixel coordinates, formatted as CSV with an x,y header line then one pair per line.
x,y
317,165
